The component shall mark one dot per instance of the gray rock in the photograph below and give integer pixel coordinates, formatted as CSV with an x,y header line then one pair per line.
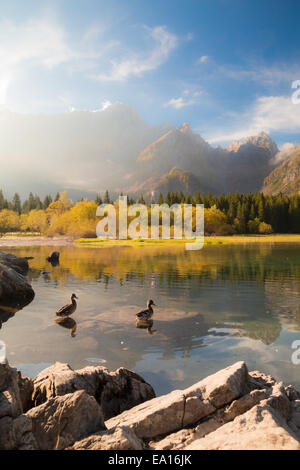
x,y
10,398
115,391
120,438
261,428
20,265
171,412
15,292
61,421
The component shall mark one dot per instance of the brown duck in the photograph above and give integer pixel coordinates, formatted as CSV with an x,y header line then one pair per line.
x,y
69,308
146,314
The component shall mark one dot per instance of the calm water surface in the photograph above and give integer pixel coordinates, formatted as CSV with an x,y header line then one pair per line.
x,y
216,306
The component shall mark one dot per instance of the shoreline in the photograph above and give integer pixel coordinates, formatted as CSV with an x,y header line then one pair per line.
x,y
36,240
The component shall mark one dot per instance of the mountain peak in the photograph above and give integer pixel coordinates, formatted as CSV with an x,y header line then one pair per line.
x,y
262,140
185,128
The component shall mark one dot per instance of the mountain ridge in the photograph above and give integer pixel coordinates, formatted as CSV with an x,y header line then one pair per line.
x,y
115,149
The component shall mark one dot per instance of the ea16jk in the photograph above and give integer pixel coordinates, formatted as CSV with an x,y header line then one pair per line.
x,y
176,459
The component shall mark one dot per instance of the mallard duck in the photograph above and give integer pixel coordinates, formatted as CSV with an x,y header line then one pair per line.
x,y
146,314
69,308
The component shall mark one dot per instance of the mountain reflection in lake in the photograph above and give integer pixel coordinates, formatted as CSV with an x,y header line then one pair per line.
x,y
216,306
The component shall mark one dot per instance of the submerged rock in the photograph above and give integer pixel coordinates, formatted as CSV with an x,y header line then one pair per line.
x,y
53,258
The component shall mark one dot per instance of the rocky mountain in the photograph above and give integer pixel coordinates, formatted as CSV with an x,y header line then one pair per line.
x,y
86,152
285,178
242,167
249,162
174,180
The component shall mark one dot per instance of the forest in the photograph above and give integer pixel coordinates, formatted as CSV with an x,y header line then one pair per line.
x,y
225,214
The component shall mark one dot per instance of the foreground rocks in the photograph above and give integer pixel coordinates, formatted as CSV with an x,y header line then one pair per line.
x,y
114,391
94,409
62,406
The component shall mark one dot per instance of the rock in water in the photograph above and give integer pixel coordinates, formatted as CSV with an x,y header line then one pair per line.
x,y
15,292
54,258
20,265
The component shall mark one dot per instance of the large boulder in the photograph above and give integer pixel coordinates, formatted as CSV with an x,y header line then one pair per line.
x,y
61,421
270,408
181,408
114,391
20,265
10,397
120,438
56,424
15,396
15,291
260,428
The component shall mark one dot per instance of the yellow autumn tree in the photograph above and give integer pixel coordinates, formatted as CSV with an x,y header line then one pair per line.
x,y
9,221
215,222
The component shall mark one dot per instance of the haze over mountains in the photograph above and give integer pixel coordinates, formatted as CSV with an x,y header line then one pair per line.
x,y
87,152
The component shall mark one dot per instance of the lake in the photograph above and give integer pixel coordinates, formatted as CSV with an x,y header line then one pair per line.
x,y
214,307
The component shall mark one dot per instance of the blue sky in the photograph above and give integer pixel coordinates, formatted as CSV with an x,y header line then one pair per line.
x,y
224,66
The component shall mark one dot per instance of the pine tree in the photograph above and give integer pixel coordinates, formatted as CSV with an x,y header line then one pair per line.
x,y
16,203
47,201
141,200
37,203
106,197
98,200
160,199
2,200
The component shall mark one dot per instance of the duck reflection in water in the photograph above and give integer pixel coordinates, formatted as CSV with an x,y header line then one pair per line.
x,y
7,312
146,325
69,323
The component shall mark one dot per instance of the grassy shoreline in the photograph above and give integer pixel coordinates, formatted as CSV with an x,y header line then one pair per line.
x,y
209,240
19,239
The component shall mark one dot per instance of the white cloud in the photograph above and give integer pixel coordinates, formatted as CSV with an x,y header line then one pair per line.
x,y
284,153
37,41
190,36
136,65
43,43
265,74
105,104
34,43
188,98
268,114
202,59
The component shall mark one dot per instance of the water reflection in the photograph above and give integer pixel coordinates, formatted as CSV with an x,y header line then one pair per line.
x,y
145,324
6,313
69,323
216,306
